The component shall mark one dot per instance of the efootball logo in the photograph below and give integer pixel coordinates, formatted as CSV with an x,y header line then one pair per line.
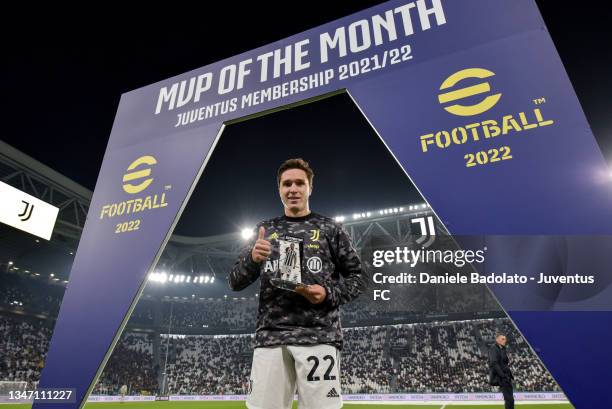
x,y
138,177
461,94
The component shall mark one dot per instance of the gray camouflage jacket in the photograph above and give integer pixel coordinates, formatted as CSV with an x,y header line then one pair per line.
x,y
328,259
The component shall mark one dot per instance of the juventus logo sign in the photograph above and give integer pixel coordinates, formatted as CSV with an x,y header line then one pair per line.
x,y
27,211
427,229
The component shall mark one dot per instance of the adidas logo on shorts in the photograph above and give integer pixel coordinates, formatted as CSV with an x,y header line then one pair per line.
x,y
332,393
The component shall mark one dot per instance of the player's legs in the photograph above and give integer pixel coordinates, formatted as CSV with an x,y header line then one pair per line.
x,y
272,383
318,376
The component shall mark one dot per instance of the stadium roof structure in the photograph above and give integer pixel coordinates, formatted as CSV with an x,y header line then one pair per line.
x,y
33,177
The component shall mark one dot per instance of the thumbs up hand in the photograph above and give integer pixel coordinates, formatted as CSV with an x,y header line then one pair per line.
x,y
262,248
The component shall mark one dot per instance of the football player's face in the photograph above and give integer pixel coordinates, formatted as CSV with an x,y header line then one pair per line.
x,y
294,190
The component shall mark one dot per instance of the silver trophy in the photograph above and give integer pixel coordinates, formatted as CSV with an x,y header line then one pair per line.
x,y
289,273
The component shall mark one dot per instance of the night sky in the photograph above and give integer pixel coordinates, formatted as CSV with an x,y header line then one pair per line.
x,y
61,89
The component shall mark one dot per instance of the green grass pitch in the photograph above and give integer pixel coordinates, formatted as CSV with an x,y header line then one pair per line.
x,y
241,405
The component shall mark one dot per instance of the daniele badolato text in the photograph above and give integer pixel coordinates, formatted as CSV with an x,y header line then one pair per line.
x,y
412,259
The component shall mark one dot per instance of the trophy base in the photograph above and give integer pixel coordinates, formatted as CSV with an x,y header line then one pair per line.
x,y
286,285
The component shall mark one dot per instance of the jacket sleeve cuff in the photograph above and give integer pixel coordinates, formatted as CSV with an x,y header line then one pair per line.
x,y
250,263
329,297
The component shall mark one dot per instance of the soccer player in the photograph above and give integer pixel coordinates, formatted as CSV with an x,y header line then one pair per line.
x,y
298,335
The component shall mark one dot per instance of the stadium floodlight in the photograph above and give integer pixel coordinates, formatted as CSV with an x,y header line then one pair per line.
x,y
212,279
225,296
246,233
401,209
368,214
206,279
176,278
423,205
171,277
10,263
51,275
188,279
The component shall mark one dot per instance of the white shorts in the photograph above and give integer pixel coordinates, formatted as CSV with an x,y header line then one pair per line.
x,y
277,372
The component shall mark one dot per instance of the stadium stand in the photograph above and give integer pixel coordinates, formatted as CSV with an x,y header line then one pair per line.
x,y
411,358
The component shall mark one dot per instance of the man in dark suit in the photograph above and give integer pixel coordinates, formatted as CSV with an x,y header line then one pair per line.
x,y
499,371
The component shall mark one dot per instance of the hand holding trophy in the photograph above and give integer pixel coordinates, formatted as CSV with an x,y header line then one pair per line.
x,y
314,293
290,267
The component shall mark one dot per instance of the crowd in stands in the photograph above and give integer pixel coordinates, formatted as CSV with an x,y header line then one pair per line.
x,y
130,364
451,357
209,365
364,366
23,348
413,358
